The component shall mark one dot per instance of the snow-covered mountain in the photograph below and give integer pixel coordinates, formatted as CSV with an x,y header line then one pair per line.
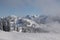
x,y
29,23
47,23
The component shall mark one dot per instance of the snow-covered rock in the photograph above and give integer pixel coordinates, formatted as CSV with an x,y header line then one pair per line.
x,y
31,23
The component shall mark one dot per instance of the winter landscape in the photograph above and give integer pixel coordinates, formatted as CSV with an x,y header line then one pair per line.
x,y
34,27
29,19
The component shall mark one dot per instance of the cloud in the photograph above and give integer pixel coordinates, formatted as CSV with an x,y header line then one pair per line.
x,y
51,27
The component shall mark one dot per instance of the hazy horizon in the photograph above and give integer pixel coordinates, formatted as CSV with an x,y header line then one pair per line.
x,y
29,7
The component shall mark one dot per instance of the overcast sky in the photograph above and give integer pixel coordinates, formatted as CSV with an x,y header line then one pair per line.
x,y
29,7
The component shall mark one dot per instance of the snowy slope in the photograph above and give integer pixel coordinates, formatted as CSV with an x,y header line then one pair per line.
x,y
44,23
28,36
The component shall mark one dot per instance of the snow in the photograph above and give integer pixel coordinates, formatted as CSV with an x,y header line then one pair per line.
x,y
31,22
52,25
29,36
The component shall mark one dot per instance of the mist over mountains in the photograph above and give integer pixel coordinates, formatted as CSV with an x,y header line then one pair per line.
x,y
35,23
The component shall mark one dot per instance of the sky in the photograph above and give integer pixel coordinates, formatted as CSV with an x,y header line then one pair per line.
x,y
29,7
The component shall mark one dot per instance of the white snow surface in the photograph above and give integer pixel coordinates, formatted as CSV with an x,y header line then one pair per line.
x,y
29,36
53,28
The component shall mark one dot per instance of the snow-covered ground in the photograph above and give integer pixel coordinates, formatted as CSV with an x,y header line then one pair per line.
x,y
52,26
29,36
